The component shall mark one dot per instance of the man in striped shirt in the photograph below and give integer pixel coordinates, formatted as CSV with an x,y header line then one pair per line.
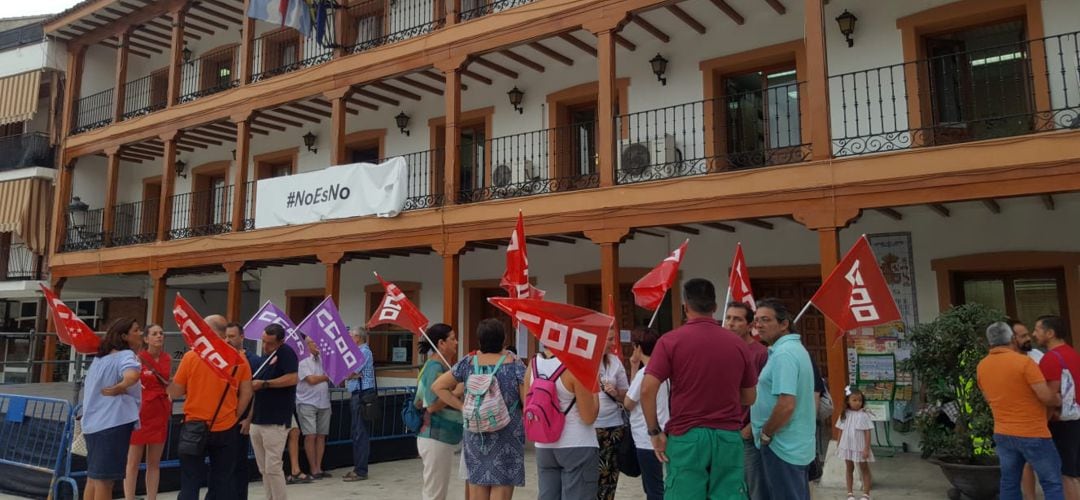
x,y
361,384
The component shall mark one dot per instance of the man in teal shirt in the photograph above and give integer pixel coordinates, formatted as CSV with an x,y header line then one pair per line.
x,y
782,418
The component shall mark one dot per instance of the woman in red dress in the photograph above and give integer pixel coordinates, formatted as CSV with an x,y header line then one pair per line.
x,y
154,415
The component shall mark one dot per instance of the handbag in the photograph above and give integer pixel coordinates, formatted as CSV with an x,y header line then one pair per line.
x,y
195,433
627,450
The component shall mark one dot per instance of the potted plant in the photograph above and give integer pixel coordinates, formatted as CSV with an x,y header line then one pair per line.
x,y
956,426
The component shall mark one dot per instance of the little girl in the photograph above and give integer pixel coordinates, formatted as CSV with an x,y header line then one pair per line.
x,y
855,426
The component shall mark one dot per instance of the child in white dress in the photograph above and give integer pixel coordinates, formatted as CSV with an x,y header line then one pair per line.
x,y
855,425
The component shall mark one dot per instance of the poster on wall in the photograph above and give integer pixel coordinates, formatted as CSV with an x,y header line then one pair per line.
x,y
894,255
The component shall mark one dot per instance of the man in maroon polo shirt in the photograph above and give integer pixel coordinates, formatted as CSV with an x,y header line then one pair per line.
x,y
713,378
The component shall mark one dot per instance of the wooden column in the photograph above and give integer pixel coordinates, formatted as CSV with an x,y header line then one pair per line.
x,y
332,261
49,351
341,20
451,254
453,10
112,176
835,352
817,82
609,240
606,104
60,204
247,45
73,86
338,114
159,277
451,163
5,254
168,184
176,59
235,270
120,89
240,177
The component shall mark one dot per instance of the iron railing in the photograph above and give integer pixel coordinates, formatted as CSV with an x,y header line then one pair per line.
x,y
93,111
249,206
424,183
284,51
213,72
145,95
20,263
375,23
1001,91
201,213
472,9
26,150
84,230
530,163
735,131
135,223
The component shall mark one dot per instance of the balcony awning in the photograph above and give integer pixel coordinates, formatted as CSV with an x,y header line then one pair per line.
x,y
20,97
24,210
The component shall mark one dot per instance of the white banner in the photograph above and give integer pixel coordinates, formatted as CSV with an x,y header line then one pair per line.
x,y
333,193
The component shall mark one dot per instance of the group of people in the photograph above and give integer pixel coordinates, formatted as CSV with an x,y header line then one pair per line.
x,y
1033,397
127,407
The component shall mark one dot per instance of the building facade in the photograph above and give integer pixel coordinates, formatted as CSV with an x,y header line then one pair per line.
x,y
618,127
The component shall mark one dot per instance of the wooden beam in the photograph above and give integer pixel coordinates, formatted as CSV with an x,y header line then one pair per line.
x,y
777,6
310,109
720,226
941,209
147,48
647,233
203,132
650,27
757,223
151,41
420,85
536,241
576,42
992,206
210,22
543,49
279,119
528,63
475,76
270,126
187,33
362,104
560,239
230,8
496,67
439,78
133,19
626,44
684,229
685,17
205,7
891,213
294,114
1048,201
378,97
396,90
486,246
730,11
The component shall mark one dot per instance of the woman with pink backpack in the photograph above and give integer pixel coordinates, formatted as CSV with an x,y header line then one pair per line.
x,y
559,415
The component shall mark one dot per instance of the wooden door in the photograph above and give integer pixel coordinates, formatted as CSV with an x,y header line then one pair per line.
x,y
795,293
480,309
151,198
300,305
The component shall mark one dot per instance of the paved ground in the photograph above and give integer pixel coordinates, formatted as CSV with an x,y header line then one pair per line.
x,y
901,477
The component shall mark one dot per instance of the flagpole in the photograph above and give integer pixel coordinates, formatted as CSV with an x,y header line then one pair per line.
x,y
727,299
803,311
434,347
657,311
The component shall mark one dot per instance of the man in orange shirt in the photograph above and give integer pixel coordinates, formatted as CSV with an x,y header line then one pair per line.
x,y
1018,395
209,398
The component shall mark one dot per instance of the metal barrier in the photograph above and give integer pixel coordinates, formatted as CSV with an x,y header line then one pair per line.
x,y
35,434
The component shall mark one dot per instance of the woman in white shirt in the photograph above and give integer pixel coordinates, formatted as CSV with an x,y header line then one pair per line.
x,y
609,423
652,471
567,469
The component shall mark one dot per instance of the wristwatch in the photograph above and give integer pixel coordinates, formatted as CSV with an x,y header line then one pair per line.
x,y
656,431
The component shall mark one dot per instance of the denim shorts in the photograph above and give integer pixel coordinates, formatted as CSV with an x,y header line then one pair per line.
x,y
106,452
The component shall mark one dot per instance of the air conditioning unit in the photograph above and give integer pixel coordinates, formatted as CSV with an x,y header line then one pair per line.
x,y
637,157
512,179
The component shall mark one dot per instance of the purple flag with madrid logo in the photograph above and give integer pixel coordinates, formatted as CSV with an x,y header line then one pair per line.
x,y
339,353
270,314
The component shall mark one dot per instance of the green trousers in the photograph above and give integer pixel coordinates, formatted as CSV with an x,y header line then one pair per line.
x,y
705,464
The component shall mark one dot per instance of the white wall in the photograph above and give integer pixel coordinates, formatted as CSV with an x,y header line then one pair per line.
x,y
46,54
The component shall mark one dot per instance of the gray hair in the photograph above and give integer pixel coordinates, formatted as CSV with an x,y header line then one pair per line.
x,y
359,331
999,334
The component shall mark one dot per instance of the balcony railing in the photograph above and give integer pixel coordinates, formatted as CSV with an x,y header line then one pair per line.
x,y
249,206
26,150
472,9
145,95
425,181
135,223
209,74
84,230
736,131
201,213
20,263
379,22
1006,90
94,111
530,163
284,51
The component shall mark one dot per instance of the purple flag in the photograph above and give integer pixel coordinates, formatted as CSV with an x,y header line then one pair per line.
x,y
268,315
340,354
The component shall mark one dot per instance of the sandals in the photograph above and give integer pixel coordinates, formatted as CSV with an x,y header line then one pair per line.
x,y
323,475
298,479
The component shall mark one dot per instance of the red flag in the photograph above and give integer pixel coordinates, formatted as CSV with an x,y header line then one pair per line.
x,y
649,290
618,335
397,309
739,280
515,280
69,328
855,294
574,334
210,348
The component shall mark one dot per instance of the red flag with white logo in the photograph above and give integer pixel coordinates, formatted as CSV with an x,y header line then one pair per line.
x,y
856,294
397,309
69,328
515,280
617,351
649,291
739,280
210,348
575,335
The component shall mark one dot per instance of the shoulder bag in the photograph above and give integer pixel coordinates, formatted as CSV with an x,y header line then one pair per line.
x,y
195,433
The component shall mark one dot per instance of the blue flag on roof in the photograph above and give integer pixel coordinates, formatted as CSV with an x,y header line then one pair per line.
x,y
295,14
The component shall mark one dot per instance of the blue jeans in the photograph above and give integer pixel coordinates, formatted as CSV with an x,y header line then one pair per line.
x,y
652,474
361,439
755,483
783,481
1013,452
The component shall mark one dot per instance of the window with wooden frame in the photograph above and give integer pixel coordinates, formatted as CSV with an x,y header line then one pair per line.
x,y
365,146
159,88
573,112
217,69
391,345
1024,295
280,51
210,197
151,198
367,23
474,135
